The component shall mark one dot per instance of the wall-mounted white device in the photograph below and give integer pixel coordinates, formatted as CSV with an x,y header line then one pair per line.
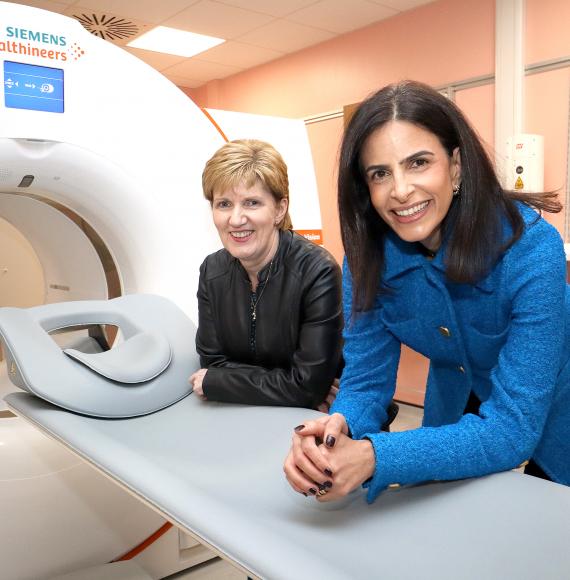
x,y
524,169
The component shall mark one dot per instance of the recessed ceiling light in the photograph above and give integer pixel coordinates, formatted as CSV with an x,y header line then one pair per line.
x,y
174,41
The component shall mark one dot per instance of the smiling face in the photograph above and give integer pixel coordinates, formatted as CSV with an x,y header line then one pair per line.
x,y
411,178
246,219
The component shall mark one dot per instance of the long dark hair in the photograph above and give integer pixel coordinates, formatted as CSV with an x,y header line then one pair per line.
x,y
473,224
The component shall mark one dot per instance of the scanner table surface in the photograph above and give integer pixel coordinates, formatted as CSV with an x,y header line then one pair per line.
x,y
215,470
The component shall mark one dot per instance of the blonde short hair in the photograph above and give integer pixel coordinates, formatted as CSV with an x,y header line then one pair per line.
x,y
248,161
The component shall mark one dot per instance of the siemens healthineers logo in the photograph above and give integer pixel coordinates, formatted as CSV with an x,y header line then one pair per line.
x,y
44,37
21,41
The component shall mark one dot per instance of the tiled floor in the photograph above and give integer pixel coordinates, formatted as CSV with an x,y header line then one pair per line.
x,y
216,569
408,418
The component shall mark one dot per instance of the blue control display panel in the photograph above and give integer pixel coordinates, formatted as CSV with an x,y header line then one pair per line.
x,y
33,87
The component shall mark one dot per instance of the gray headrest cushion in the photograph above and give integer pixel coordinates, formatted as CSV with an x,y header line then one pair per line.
x,y
146,372
140,358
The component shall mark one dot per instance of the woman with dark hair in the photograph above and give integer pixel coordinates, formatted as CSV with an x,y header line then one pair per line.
x,y
270,314
441,258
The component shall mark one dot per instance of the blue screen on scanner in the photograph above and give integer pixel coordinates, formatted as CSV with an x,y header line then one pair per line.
x,y
33,87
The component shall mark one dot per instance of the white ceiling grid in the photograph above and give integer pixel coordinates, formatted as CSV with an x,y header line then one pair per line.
x,y
257,31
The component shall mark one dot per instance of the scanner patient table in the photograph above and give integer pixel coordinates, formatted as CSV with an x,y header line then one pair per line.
x,y
215,471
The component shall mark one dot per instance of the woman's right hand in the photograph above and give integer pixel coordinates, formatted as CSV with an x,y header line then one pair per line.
x,y
329,399
327,429
305,465
196,380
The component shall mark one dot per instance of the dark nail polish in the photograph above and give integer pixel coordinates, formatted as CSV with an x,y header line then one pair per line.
x,y
330,441
327,484
299,428
318,441
304,494
328,472
313,491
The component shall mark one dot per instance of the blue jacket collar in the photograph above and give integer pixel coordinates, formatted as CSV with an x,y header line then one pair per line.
x,y
402,257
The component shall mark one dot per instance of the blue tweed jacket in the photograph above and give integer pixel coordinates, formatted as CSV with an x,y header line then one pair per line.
x,y
507,338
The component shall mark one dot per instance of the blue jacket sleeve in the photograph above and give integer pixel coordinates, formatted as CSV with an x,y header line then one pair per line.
x,y
371,357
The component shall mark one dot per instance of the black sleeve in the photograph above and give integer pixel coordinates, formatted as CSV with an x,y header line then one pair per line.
x,y
314,363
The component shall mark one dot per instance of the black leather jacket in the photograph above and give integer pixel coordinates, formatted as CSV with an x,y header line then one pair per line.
x,y
290,354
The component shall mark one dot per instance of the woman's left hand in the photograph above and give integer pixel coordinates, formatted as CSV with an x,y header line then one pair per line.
x,y
329,400
350,463
196,381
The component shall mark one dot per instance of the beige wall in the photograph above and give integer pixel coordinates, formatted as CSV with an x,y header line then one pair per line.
x,y
435,43
21,275
439,43
324,139
546,113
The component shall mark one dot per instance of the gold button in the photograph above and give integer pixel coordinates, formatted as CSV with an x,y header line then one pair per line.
x,y
395,486
461,369
444,331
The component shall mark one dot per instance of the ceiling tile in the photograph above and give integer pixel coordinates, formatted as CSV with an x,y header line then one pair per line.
x,y
217,19
184,81
282,35
401,5
148,10
257,31
239,54
200,70
277,9
58,7
340,16
157,60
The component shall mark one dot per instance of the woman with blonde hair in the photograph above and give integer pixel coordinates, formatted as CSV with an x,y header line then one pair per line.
x,y
270,315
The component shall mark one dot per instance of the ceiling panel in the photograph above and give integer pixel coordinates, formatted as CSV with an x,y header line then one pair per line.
x,y
401,5
47,4
218,20
286,36
257,31
278,9
184,82
239,54
153,11
157,60
340,17
192,68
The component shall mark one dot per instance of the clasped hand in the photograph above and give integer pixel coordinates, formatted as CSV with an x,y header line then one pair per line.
x,y
196,381
325,462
